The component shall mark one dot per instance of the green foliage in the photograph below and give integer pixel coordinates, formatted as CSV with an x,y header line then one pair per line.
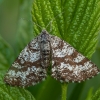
x,y
96,96
90,93
75,21
5,52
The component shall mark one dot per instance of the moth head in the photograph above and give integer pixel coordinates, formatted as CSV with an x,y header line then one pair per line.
x,y
44,31
44,36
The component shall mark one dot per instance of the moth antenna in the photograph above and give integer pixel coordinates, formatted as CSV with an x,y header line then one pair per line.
x,y
47,24
33,23
54,19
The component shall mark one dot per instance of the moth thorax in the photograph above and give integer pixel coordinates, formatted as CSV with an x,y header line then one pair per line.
x,y
45,45
45,36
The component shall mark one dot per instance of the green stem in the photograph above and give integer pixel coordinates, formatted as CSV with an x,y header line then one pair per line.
x,y
64,91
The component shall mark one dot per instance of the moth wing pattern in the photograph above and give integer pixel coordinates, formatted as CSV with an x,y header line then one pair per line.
x,y
26,70
68,65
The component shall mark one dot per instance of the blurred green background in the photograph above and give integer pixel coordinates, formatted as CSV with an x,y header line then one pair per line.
x,y
16,24
9,12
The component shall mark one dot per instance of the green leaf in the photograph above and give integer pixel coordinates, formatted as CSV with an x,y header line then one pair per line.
x,y
96,96
90,93
6,54
4,63
79,88
45,90
13,93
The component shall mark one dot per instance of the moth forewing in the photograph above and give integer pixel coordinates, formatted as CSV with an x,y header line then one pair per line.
x,y
70,65
27,68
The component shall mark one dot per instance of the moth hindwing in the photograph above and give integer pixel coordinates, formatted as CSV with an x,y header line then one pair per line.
x,y
67,64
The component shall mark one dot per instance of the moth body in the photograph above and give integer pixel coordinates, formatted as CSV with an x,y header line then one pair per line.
x,y
45,48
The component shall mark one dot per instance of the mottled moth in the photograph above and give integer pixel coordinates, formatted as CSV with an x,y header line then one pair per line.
x,y
67,64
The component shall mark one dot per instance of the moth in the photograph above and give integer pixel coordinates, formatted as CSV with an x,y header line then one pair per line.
x,y
67,64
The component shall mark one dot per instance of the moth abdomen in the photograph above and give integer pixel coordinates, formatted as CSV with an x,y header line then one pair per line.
x,y
46,52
